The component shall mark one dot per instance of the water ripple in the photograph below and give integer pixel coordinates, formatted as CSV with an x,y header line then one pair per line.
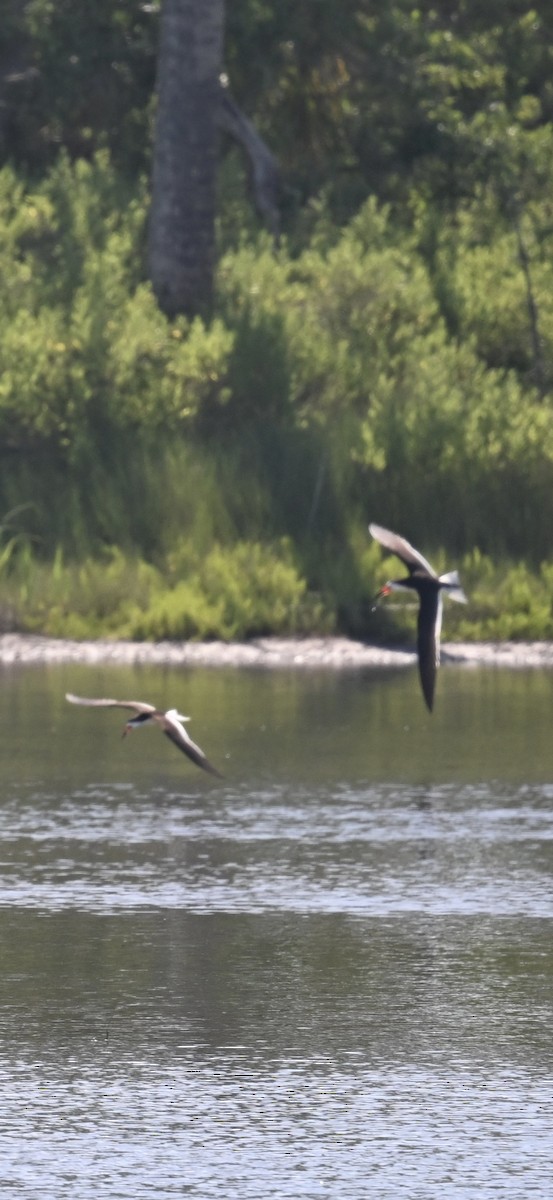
x,y
468,849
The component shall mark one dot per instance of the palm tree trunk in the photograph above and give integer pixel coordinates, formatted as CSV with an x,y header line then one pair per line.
x,y
181,235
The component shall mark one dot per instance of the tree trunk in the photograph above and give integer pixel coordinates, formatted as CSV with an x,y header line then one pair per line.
x,y
181,236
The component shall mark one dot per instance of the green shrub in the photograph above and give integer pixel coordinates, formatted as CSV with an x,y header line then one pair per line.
x,y
235,464
245,591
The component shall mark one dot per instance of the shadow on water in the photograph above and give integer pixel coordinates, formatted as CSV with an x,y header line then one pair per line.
x,y
333,967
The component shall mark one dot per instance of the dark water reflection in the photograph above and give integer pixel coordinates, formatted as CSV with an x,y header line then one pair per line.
x,y
330,974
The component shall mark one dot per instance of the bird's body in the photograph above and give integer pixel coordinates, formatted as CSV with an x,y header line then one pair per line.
x,y
170,722
423,580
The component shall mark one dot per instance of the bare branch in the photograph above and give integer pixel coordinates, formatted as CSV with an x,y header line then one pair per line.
x,y
264,172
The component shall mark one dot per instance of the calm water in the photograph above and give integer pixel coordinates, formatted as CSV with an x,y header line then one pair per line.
x,y
330,975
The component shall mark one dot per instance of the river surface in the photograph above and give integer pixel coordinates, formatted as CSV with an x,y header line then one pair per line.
x,y
328,975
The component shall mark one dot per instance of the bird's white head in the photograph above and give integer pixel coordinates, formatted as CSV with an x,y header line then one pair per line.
x,y
136,723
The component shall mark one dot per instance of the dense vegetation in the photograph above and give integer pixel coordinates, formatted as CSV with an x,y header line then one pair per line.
x,y
391,360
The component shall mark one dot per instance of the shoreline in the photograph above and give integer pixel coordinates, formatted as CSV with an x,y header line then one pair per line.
x,y
336,653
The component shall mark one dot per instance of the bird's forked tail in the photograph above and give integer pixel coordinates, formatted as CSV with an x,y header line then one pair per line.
x,y
452,583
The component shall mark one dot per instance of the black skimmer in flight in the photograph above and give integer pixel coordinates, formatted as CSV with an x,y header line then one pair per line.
x,y
429,586
170,722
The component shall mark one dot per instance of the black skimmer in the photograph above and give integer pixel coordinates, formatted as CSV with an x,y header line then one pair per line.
x,y
170,722
429,586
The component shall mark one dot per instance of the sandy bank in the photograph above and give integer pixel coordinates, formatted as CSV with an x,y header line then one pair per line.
x,y
334,653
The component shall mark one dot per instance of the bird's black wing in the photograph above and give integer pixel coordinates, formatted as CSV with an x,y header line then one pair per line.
x,y
177,734
428,642
401,548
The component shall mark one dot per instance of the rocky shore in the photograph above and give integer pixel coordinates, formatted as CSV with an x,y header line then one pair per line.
x,y
272,652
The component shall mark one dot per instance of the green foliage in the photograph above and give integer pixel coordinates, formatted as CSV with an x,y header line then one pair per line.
x,y
252,589
353,99
87,599
392,359
507,601
90,74
490,263
84,350
359,99
334,385
243,591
